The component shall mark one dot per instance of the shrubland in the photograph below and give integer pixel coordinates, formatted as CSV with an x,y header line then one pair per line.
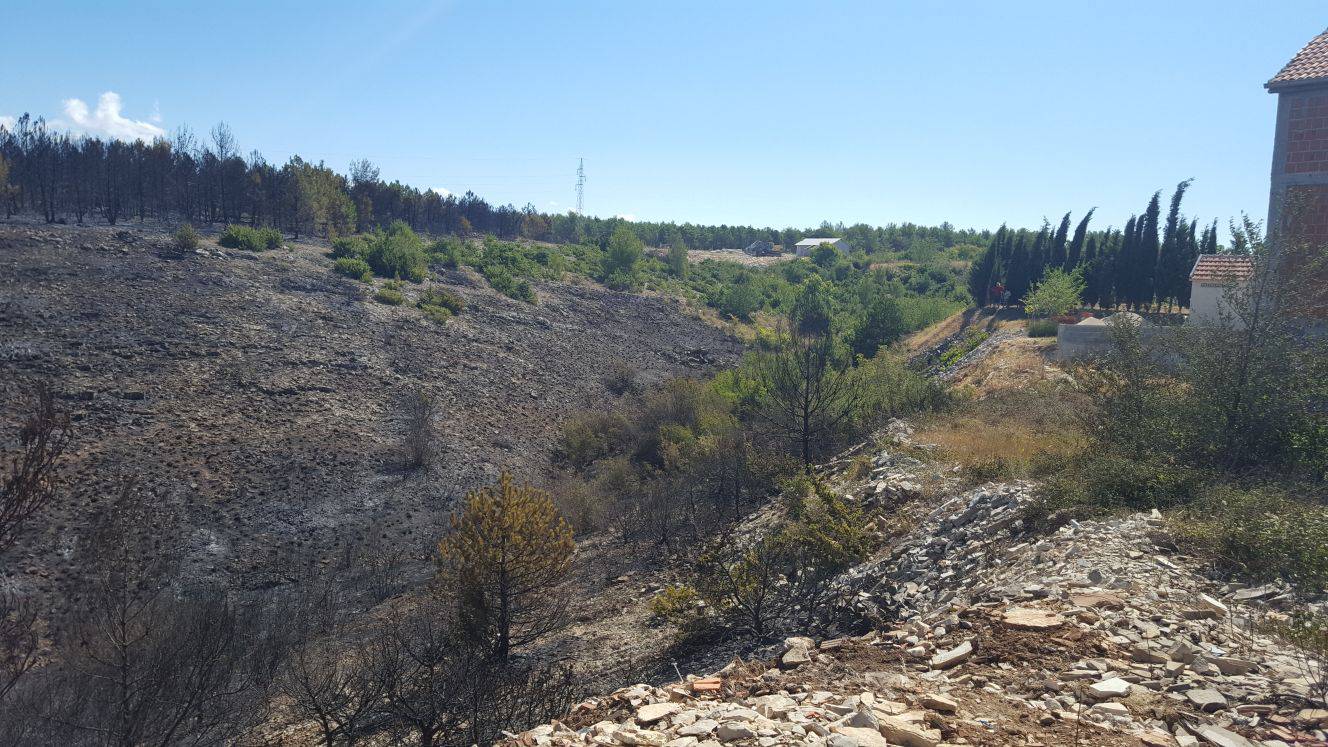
x,y
1222,425
249,238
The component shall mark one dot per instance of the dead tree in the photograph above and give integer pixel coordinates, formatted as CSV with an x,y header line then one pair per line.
x,y
28,486
30,483
440,690
420,439
333,685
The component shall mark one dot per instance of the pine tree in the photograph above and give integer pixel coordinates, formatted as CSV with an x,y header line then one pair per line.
x,y
1105,270
506,554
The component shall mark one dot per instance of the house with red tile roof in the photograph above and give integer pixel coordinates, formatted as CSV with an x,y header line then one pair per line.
x,y
1213,278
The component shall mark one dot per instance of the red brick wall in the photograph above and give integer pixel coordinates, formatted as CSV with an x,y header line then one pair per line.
x,y
1307,134
1305,213
1305,226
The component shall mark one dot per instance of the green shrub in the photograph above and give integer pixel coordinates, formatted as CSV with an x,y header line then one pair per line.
x,y
1057,293
1042,327
187,239
349,246
1097,482
621,257
590,437
739,301
450,252
500,278
353,267
675,603
1261,532
398,253
436,314
771,585
966,344
250,239
389,296
442,299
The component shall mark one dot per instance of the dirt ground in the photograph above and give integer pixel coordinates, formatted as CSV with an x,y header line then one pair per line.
x,y
258,396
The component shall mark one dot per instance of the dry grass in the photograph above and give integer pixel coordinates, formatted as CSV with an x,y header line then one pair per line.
x,y
1010,434
932,336
1016,364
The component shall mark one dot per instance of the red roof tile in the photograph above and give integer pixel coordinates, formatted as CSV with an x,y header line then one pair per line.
x,y
1309,64
1221,268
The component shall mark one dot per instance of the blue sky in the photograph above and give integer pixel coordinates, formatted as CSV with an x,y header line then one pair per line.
x,y
765,113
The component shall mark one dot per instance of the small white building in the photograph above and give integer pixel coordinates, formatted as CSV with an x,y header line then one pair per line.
x,y
805,247
1212,276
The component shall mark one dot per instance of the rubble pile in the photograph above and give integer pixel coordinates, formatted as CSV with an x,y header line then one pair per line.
x,y
977,632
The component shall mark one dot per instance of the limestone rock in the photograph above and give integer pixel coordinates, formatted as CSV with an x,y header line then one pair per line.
x,y
1028,618
908,734
1206,699
1214,734
649,714
956,655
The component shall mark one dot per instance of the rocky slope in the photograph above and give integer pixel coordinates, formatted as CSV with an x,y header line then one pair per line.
x,y
259,395
979,633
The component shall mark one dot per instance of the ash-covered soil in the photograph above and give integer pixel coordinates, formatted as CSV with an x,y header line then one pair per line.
x,y
259,395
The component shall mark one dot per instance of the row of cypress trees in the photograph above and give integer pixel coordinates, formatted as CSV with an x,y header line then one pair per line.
x,y
1144,265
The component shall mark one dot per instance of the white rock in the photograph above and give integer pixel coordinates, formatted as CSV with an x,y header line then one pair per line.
x,y
1115,687
852,736
947,659
731,731
1214,734
699,728
649,714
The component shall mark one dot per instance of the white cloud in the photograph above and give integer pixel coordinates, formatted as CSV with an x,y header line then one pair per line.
x,y
107,120
441,191
7,122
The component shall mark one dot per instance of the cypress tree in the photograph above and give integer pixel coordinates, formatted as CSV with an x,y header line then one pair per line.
x,y
1105,268
1209,243
1190,253
1123,280
1088,262
983,270
1039,255
1057,259
1148,250
1075,254
1170,272
1020,275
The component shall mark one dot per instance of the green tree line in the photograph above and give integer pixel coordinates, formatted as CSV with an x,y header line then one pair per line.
x,y
63,177
1144,265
